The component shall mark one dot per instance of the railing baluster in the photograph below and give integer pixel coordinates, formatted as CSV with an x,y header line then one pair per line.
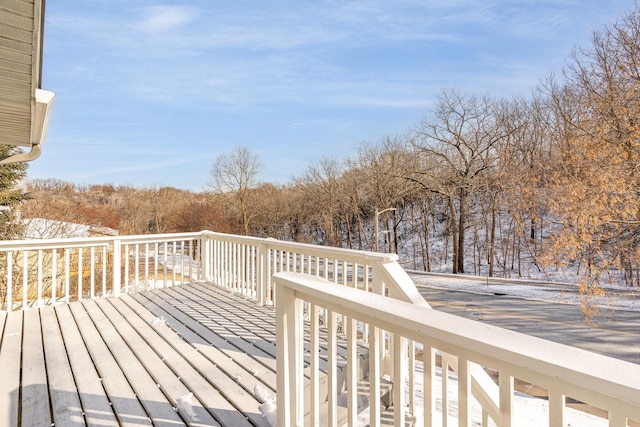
x,y
271,295
505,383
352,371
67,275
464,393
412,378
165,265
25,279
104,271
189,258
262,271
332,370
92,281
399,349
173,264
117,268
156,249
39,261
314,374
182,269
146,266
557,403
126,268
243,270
429,385
80,274
374,376
445,391
10,281
136,266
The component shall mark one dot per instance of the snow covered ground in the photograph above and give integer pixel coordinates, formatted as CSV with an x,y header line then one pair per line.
x,y
616,297
528,411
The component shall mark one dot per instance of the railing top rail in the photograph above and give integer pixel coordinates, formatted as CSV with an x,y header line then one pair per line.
x,y
582,374
34,244
326,251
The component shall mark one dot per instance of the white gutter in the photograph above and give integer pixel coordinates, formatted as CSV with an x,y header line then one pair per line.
x,y
44,103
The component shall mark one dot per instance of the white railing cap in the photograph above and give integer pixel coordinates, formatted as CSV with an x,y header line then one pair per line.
x,y
581,373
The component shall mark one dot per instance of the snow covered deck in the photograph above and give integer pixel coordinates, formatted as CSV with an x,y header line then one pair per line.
x,y
134,360
185,355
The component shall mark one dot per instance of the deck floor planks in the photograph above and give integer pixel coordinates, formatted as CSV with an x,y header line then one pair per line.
x,y
188,314
108,363
10,354
122,397
183,360
236,364
213,371
261,321
34,392
66,407
143,346
112,328
221,325
95,403
264,315
262,337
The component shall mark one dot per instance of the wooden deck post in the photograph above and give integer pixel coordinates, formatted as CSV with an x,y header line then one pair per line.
x,y
289,367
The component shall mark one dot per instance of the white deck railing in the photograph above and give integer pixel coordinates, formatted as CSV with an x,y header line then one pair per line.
x,y
610,384
38,272
34,273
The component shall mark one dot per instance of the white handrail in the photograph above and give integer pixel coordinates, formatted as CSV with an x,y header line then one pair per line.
x,y
607,383
239,263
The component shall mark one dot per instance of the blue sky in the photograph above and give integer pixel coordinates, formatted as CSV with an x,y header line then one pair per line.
x,y
150,92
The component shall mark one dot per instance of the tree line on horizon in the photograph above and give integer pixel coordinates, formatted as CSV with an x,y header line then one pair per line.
x,y
497,186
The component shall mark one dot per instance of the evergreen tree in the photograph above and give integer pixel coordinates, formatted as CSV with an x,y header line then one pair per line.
x,y
10,194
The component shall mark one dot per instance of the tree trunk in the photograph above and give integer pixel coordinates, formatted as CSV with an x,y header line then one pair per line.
x,y
461,229
454,234
425,231
492,238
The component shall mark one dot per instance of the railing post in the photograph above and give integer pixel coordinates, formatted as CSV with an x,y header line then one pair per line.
x,y
289,368
261,279
117,267
205,257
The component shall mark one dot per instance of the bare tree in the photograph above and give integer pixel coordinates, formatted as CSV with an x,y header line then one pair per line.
x,y
235,173
459,143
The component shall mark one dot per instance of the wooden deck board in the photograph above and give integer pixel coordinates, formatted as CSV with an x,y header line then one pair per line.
x,y
238,365
187,314
150,349
95,403
65,401
224,397
10,354
130,360
128,409
113,328
34,391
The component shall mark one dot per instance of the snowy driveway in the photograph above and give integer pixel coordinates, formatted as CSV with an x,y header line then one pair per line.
x,y
551,312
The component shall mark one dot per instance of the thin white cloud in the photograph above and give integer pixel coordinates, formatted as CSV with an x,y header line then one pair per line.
x,y
160,19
